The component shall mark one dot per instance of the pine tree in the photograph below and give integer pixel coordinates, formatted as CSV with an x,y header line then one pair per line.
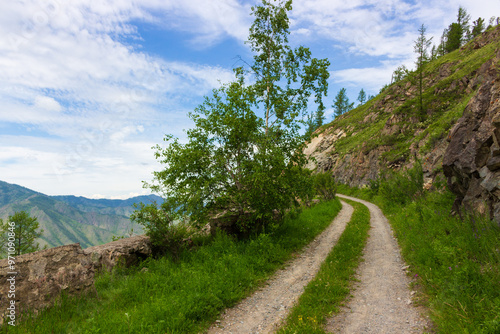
x,y
314,121
458,32
341,103
19,232
362,97
421,45
441,49
478,27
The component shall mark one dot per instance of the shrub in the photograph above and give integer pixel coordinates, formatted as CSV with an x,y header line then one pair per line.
x,y
403,187
167,233
325,186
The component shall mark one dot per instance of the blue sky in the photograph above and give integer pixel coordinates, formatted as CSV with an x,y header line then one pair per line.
x,y
89,86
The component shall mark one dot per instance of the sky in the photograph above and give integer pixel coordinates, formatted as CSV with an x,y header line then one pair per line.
x,y
88,87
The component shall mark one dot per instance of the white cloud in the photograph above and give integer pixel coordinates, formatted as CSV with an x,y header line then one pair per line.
x,y
375,28
47,103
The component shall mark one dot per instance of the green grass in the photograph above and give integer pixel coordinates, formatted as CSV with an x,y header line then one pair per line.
x,y
456,262
183,296
328,290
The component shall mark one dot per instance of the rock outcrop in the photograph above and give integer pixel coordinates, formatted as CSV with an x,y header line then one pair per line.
x,y
126,252
33,281
472,159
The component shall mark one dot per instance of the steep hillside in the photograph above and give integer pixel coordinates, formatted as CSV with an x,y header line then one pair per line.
x,y
388,132
70,219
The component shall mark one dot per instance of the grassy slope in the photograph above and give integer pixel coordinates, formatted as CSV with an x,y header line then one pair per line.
x,y
443,103
184,296
456,262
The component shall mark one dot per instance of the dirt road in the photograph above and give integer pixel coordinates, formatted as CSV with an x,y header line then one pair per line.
x,y
381,302
266,308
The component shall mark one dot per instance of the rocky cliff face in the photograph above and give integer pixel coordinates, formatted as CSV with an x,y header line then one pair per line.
x,y
472,159
457,136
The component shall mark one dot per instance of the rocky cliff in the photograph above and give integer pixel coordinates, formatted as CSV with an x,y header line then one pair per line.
x,y
456,135
472,159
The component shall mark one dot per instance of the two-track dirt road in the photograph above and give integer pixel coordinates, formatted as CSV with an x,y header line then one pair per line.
x,y
380,303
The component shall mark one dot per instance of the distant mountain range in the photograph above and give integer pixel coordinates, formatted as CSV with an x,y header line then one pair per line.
x,y
70,219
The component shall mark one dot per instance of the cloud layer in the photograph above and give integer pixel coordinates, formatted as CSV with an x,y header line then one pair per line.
x,y
82,100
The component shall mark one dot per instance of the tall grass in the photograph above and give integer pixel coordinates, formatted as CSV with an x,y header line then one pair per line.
x,y
458,262
455,261
184,295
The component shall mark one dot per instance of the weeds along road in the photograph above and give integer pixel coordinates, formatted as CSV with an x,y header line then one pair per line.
x,y
381,301
263,311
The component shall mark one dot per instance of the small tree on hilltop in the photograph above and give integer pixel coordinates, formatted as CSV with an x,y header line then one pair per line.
x,y
341,103
421,46
458,32
21,230
362,97
478,27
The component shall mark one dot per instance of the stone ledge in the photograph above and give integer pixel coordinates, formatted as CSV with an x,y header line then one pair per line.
x,y
40,277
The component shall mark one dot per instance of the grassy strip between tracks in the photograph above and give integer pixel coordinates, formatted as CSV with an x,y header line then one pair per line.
x,y
324,295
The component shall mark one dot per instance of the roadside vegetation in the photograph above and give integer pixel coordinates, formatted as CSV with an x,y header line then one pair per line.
x,y
455,261
184,294
324,295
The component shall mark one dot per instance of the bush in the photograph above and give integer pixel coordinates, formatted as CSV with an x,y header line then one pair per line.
x,y
325,186
168,234
402,187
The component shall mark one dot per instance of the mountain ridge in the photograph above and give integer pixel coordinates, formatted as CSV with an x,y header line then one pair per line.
x,y
71,219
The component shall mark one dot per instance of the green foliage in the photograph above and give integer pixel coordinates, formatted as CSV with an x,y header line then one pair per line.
x,y
399,73
456,261
478,27
362,97
313,122
458,32
167,233
443,106
183,296
341,103
286,78
402,187
421,46
236,162
20,232
325,186
328,290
